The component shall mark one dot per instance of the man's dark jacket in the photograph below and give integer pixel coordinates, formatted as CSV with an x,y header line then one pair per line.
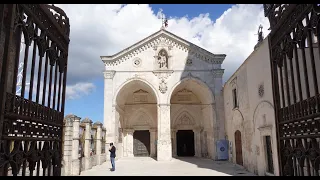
x,y
113,152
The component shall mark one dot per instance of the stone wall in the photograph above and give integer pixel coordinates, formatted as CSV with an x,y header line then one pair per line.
x,y
83,145
253,114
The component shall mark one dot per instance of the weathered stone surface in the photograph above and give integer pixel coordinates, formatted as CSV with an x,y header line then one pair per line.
x,y
254,114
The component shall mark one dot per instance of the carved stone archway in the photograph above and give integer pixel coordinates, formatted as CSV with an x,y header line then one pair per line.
x,y
185,121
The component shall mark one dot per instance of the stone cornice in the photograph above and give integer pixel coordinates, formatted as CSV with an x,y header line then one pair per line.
x,y
109,74
170,39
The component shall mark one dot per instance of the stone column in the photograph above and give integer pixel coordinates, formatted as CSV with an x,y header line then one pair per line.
x,y
87,144
67,149
197,142
164,147
108,114
75,146
152,142
99,142
130,142
124,142
174,142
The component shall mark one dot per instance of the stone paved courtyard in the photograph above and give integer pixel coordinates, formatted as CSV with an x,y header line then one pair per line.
x,y
177,167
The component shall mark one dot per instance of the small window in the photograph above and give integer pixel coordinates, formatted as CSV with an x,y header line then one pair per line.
x,y
235,99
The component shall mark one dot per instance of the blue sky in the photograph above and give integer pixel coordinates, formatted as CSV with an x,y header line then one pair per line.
x,y
107,35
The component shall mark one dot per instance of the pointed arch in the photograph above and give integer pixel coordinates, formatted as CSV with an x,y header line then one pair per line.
x,y
141,117
184,118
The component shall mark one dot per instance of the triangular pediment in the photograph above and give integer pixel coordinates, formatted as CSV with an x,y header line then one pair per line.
x,y
163,37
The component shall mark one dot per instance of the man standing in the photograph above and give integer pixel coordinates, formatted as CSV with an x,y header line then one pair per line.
x,y
112,151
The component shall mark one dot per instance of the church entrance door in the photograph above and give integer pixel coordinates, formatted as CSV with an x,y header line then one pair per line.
x,y
185,143
141,143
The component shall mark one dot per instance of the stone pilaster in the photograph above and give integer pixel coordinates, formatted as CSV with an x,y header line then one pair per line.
x,y
219,103
197,142
99,142
152,142
129,142
174,142
75,170
108,116
67,149
164,147
87,144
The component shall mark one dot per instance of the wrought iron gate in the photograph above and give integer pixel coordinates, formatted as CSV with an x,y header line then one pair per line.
x,y
37,37
295,65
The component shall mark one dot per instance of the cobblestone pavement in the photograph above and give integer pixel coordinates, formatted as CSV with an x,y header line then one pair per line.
x,y
176,167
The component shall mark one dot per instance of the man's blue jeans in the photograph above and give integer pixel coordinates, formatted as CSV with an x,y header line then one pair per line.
x,y
113,163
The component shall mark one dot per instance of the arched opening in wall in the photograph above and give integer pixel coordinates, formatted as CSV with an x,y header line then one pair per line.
x,y
238,144
191,119
136,119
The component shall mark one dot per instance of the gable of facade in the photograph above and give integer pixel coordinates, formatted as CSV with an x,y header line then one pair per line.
x,y
147,53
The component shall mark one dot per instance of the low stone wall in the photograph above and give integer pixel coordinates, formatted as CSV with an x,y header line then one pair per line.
x,y
83,145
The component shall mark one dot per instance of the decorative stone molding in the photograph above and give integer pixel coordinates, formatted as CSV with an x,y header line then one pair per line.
x,y
184,119
189,62
136,62
233,82
261,90
163,86
217,73
265,128
158,38
135,76
162,74
109,74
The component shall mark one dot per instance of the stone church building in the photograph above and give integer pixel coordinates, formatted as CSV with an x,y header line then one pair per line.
x,y
163,98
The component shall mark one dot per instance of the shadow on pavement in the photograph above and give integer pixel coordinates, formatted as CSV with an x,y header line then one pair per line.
x,y
220,166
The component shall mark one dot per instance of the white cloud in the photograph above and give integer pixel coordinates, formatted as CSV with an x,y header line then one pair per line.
x,y
77,90
104,29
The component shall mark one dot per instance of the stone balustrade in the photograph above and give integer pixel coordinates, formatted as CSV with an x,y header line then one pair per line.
x,y
83,145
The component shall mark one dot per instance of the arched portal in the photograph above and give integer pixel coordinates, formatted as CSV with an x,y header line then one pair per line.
x,y
192,115
136,117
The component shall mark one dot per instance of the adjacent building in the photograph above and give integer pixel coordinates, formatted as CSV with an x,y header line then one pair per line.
x,y
249,114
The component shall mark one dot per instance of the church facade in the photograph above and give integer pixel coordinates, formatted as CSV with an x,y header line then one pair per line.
x,y
163,98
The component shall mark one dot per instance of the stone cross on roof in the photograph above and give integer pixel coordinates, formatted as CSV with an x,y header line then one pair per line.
x,y
163,20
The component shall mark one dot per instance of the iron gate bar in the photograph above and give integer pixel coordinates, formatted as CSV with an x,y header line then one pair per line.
x,y
31,133
297,120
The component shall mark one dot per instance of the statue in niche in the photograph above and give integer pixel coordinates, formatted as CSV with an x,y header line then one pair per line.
x,y
163,59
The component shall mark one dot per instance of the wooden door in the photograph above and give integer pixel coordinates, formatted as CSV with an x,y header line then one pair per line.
x,y
238,143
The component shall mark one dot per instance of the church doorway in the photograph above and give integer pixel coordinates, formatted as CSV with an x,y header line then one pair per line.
x,y
141,143
185,143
